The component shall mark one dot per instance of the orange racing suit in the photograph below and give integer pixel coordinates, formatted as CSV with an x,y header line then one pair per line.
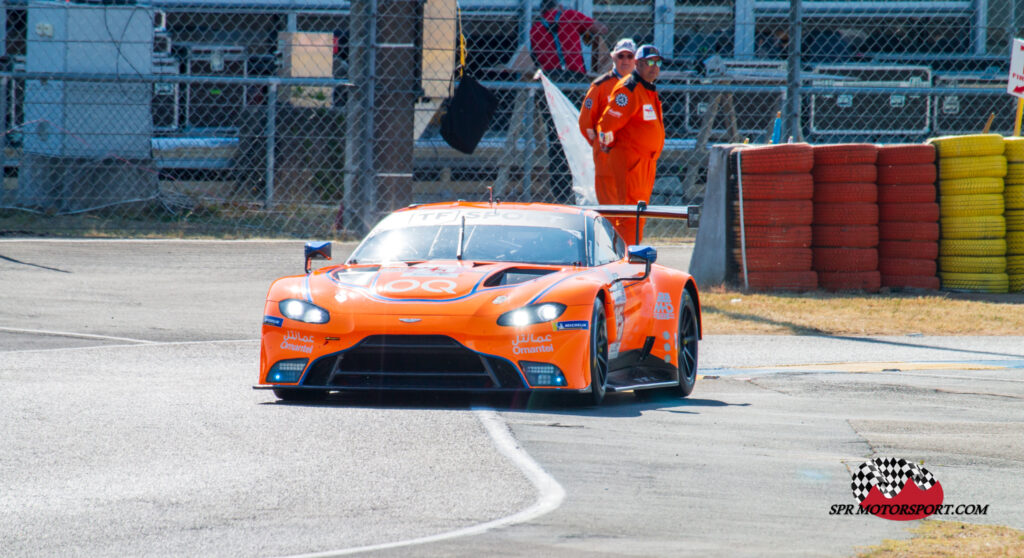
x,y
632,129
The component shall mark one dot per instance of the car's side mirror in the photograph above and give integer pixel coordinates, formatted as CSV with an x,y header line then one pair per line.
x,y
643,254
317,251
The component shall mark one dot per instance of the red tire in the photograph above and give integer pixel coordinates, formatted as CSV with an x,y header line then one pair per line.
x,y
845,214
776,213
845,259
845,192
774,237
907,174
845,154
925,282
909,212
869,281
776,159
797,186
782,280
906,193
898,266
906,154
908,249
848,236
774,259
925,232
845,173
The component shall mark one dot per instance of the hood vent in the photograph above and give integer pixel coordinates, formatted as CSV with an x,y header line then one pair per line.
x,y
514,275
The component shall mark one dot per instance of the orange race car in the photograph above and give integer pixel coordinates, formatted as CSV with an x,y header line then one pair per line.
x,y
484,297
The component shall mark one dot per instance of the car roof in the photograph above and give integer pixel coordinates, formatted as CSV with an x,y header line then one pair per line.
x,y
499,206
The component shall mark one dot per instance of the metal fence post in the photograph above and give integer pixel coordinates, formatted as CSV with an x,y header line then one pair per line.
x,y
794,127
271,134
744,30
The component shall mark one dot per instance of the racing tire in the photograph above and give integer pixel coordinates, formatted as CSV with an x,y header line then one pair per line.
x,y
1015,265
845,154
993,166
777,159
846,173
978,247
1015,243
869,281
845,259
908,250
906,174
795,186
909,212
845,214
846,236
906,193
975,282
913,267
300,395
973,264
969,186
774,259
1014,219
776,213
922,232
918,282
845,192
774,237
1016,283
688,337
973,145
991,226
977,205
1014,150
1014,197
598,355
1014,173
906,154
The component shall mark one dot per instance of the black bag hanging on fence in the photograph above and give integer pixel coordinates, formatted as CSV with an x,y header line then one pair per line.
x,y
467,114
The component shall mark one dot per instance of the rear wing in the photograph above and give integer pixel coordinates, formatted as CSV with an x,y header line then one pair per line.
x,y
689,212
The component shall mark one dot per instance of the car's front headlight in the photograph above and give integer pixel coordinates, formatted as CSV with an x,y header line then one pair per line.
x,y
303,311
533,314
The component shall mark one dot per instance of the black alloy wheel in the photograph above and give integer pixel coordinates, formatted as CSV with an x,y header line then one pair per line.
x,y
598,354
687,345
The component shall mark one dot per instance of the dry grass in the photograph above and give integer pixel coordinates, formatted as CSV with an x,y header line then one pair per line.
x,y
942,539
940,313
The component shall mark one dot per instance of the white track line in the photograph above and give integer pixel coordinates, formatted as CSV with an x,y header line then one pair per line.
x,y
131,341
550,494
79,335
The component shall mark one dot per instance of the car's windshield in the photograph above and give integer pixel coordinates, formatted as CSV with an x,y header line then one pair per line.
x,y
499,243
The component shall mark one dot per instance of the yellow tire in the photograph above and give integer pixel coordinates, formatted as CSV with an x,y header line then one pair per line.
x,y
1014,173
975,282
1015,264
966,167
1014,197
975,205
980,247
1014,149
1014,219
966,186
968,228
1016,283
969,146
972,264
1015,243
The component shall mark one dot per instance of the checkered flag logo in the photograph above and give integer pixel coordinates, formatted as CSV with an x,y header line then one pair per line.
x,y
890,475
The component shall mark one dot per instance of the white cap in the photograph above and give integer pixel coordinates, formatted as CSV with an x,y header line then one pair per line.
x,y
624,44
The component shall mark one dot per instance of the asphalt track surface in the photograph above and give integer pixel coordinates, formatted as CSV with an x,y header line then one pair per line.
x,y
131,429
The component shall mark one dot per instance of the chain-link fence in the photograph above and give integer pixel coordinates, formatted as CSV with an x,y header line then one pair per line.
x,y
314,117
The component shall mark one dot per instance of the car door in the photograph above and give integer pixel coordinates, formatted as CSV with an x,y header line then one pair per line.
x,y
634,300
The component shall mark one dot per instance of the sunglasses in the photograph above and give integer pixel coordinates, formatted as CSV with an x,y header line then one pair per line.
x,y
654,63
624,55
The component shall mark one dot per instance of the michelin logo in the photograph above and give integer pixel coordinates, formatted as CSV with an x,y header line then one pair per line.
x,y
574,324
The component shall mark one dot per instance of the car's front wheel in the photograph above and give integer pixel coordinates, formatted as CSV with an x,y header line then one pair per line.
x,y
598,354
300,395
689,332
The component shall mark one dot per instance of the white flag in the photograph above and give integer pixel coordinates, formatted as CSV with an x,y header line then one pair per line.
x,y
577,151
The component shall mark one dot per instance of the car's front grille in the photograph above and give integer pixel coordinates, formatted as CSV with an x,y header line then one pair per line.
x,y
412,362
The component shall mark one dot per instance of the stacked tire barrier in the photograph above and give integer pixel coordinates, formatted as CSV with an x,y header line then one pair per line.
x,y
909,217
972,245
845,232
1013,197
773,222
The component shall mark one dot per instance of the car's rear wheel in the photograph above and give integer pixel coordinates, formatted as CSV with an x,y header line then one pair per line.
x,y
689,332
300,395
598,354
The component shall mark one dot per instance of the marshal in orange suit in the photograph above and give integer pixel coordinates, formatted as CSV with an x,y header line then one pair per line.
x,y
632,131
